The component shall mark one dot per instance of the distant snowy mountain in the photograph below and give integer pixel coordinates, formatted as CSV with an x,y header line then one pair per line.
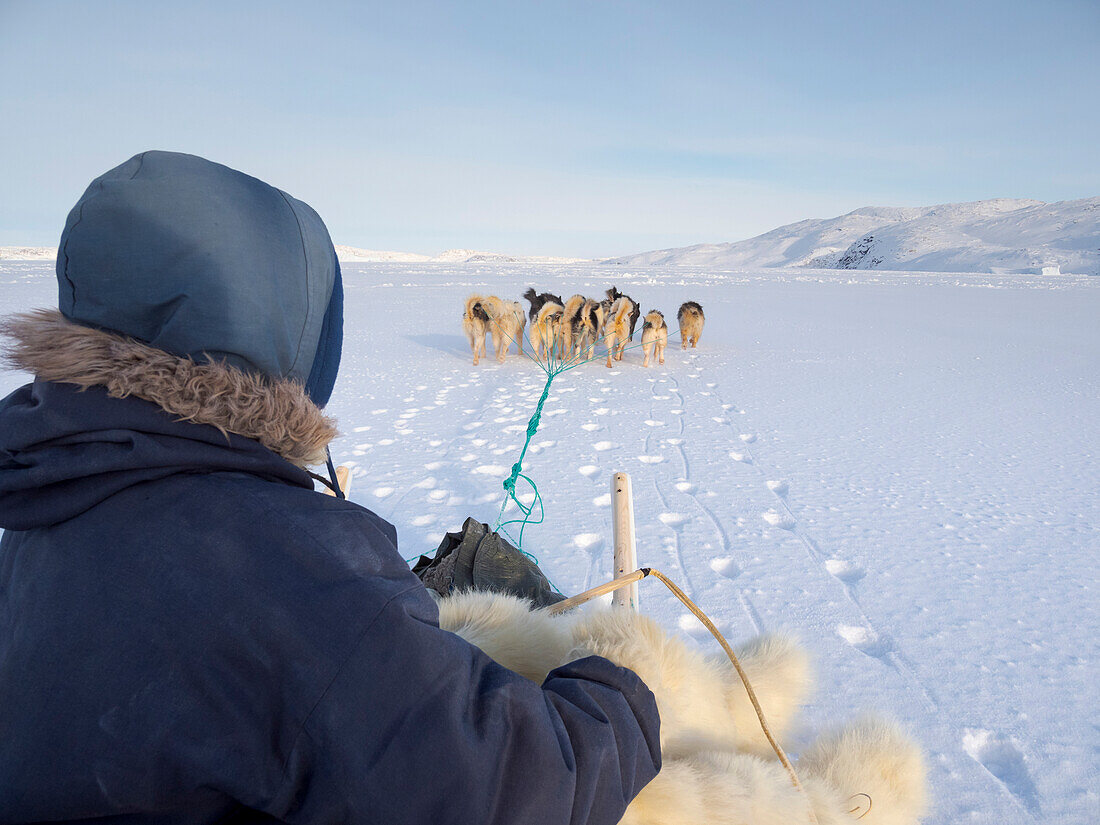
x,y
349,254
1001,235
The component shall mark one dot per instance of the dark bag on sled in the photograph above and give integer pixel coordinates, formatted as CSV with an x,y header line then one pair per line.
x,y
479,559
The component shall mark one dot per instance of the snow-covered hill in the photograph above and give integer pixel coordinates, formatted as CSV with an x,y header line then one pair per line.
x,y
1001,235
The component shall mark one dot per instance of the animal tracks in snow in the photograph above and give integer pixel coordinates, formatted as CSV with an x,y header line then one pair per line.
x,y
865,640
780,520
725,566
844,570
1003,759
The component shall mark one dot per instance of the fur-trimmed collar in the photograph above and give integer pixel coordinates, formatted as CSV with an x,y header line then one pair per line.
x,y
275,412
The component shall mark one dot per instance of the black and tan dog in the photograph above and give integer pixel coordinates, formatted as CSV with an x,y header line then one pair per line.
x,y
538,299
613,295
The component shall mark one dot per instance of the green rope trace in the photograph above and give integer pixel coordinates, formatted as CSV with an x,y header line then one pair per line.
x,y
553,367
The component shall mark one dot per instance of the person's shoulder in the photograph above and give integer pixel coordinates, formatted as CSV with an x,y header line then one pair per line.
x,y
290,526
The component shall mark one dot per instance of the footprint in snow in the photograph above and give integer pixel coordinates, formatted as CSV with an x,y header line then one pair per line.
x,y
685,486
748,438
494,470
382,492
844,570
651,459
780,488
602,446
423,521
1001,757
587,541
672,520
675,442
651,423
590,427
742,457
724,566
780,520
602,501
588,470
865,640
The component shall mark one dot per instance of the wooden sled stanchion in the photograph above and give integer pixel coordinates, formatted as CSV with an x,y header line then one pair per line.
x,y
624,588
622,531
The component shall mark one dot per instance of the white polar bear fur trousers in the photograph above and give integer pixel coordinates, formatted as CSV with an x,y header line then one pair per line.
x,y
718,768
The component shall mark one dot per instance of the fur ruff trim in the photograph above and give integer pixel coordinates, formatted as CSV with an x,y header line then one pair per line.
x,y
275,412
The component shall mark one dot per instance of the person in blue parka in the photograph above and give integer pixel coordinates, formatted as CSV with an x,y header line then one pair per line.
x,y
188,632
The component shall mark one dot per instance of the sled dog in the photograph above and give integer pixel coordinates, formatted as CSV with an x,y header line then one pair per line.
x,y
718,768
506,323
503,320
537,301
571,326
654,337
591,325
617,328
613,295
475,322
546,330
691,320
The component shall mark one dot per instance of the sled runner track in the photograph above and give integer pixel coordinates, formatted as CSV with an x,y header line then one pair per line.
x,y
1005,768
689,489
864,636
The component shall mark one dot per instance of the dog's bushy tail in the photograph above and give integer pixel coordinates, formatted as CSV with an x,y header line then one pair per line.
x,y
623,308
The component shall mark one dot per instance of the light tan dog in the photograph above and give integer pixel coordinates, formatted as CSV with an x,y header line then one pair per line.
x,y
654,337
546,330
503,320
691,321
718,768
506,323
616,331
475,323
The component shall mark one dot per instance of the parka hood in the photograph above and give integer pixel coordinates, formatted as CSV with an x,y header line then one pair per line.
x,y
203,261
108,412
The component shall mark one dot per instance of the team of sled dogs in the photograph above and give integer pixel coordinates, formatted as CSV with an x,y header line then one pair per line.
x,y
718,768
570,330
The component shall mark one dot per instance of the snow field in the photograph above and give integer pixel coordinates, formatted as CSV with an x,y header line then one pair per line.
x,y
899,468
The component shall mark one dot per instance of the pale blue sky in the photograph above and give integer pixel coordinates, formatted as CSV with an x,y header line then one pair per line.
x,y
589,129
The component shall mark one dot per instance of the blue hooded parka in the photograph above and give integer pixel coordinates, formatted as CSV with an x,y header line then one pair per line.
x,y
188,632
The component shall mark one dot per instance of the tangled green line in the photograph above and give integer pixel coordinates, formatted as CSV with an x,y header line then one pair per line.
x,y
553,367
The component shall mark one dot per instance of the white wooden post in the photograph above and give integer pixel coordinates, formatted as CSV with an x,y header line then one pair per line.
x,y
626,549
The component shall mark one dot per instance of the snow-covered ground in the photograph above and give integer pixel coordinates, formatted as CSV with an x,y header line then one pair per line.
x,y
999,235
901,468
